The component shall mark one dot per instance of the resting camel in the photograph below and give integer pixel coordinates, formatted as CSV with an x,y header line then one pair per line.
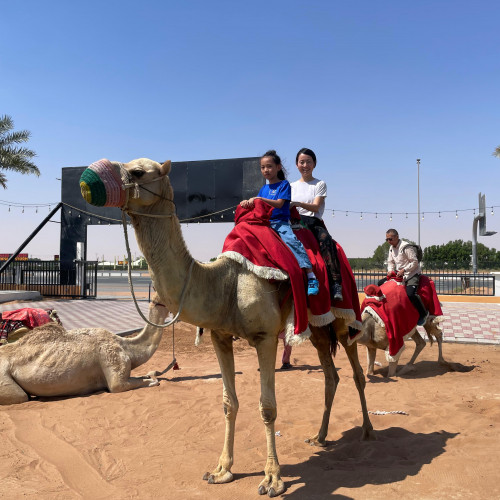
x,y
374,337
52,361
226,298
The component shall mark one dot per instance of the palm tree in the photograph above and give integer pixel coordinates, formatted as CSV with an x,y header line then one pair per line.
x,y
13,157
497,152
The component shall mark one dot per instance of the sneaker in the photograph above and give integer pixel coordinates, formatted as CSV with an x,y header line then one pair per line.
x,y
286,366
337,292
423,319
312,286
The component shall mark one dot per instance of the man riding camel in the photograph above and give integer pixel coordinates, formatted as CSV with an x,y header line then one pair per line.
x,y
403,261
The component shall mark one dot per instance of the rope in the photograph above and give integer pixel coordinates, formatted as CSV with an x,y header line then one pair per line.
x,y
183,293
378,412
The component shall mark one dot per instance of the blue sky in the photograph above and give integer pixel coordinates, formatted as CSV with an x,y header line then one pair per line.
x,y
369,86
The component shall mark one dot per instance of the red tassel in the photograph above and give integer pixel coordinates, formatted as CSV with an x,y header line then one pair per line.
x,y
176,366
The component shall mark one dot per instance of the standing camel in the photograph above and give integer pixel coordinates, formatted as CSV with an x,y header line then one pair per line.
x,y
221,296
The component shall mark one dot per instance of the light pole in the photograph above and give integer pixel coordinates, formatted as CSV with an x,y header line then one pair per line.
x,y
418,199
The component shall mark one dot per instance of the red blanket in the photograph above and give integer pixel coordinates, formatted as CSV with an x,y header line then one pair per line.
x,y
28,317
255,245
392,307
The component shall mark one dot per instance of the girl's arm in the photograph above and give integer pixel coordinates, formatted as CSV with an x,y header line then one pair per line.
x,y
312,207
274,203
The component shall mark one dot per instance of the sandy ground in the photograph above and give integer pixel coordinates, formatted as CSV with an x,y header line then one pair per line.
x,y
156,443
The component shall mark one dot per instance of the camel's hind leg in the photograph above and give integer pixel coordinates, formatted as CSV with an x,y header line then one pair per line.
x,y
321,341
435,330
223,345
10,392
419,346
359,380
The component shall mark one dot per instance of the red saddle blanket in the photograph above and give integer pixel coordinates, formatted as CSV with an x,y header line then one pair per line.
x,y
391,305
28,317
254,244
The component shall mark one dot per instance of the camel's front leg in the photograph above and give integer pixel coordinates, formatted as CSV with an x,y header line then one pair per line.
x,y
359,380
272,484
223,345
419,346
321,341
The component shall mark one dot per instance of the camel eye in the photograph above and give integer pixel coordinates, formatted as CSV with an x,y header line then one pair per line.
x,y
138,173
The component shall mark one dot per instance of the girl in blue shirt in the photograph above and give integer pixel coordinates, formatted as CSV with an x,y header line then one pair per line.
x,y
277,193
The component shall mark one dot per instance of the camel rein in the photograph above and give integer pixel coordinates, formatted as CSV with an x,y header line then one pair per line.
x,y
183,293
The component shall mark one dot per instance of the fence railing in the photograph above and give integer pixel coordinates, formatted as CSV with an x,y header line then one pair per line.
x,y
446,282
51,279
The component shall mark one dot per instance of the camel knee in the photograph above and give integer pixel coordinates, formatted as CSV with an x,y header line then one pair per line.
x,y
268,415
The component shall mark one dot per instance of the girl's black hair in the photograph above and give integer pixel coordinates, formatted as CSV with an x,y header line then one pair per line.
x,y
306,151
277,161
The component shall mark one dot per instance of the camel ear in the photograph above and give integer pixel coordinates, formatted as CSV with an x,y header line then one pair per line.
x,y
165,168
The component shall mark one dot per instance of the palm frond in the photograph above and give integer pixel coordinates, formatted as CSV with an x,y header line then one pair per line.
x,y
496,152
3,181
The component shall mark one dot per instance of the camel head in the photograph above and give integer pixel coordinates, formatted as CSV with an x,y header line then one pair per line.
x,y
132,186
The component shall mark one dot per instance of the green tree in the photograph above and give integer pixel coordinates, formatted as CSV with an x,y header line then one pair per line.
x,y
12,156
497,152
380,255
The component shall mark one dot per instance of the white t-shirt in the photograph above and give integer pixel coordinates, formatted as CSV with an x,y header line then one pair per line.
x,y
306,192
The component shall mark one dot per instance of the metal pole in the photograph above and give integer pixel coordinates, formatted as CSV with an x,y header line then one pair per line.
x,y
418,199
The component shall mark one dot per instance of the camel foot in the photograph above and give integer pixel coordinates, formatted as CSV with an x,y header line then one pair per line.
x,y
153,382
219,476
272,486
315,441
153,374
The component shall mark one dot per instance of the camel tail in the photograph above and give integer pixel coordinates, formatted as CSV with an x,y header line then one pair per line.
x,y
334,342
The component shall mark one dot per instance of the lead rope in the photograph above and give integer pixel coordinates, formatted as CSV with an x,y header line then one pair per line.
x,y
183,293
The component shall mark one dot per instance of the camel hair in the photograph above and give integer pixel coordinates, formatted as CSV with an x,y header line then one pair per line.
x,y
374,336
228,299
52,361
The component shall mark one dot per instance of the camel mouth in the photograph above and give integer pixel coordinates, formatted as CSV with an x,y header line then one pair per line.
x,y
102,184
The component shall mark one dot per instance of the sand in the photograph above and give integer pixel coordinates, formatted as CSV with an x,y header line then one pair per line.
x,y
156,443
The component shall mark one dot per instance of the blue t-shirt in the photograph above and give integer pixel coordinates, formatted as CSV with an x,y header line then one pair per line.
x,y
278,191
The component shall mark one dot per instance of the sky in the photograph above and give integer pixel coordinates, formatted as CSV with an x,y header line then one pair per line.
x,y
369,86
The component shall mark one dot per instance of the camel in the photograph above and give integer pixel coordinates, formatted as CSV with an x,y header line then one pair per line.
x,y
228,299
52,361
374,337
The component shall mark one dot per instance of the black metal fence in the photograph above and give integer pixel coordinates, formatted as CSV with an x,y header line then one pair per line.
x,y
52,279
446,282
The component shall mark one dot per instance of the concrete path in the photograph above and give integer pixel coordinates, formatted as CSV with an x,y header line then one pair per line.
x,y
468,322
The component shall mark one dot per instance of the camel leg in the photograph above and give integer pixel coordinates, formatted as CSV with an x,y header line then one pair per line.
x,y
10,392
419,346
321,341
393,366
359,380
223,345
266,346
435,331
118,378
371,354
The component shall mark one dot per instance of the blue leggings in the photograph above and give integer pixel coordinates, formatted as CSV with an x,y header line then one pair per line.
x,y
285,231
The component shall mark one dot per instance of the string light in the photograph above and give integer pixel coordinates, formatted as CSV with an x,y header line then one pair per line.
x,y
439,214
406,215
347,213
423,215
23,210
492,213
376,215
390,218
333,213
361,216
456,214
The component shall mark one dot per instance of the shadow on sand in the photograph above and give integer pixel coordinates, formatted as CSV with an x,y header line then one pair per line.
x,y
351,463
